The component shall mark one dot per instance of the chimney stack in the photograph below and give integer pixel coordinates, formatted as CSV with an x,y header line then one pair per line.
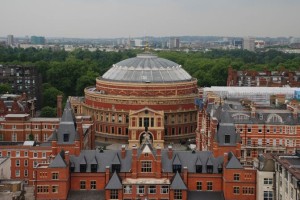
x,y
170,152
59,105
123,151
185,175
107,174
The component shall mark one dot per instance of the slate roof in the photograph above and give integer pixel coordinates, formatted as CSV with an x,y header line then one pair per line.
x,y
107,157
227,129
225,112
58,162
103,159
233,162
67,125
205,195
114,182
176,160
177,183
116,160
188,159
86,195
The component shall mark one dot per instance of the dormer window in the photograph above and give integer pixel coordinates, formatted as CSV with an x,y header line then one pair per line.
x,y
227,139
94,167
176,168
66,137
72,167
116,167
198,168
82,167
209,169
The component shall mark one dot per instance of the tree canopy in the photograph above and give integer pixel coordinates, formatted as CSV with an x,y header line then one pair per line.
x,y
68,73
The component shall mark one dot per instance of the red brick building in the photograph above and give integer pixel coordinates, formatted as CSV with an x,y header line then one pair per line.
x,y
145,91
266,78
247,130
72,135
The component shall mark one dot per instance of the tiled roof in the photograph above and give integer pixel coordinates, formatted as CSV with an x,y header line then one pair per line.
x,y
207,195
177,183
86,195
58,162
233,162
114,182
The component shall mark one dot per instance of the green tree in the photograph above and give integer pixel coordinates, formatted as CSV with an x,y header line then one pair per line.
x,y
5,88
50,96
48,111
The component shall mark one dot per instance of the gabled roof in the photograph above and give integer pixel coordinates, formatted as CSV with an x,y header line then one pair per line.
x,y
198,162
58,162
146,149
177,183
94,161
83,161
176,160
233,162
209,162
67,125
116,160
53,137
114,182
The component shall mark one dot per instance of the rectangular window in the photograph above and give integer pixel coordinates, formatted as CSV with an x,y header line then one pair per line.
x,y
120,119
227,139
114,194
127,189
17,153
8,154
25,163
44,155
93,185
177,194
199,186
17,163
146,166
82,185
236,190
268,195
268,181
209,186
54,188
152,189
26,173
140,189
35,154
55,176
236,177
164,189
17,173
140,122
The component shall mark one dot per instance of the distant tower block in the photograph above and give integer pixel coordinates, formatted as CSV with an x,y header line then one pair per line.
x,y
59,105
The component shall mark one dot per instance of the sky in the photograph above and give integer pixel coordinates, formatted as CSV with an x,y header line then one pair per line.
x,y
138,18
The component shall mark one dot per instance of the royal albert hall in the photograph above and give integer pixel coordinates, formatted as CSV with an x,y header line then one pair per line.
x,y
142,97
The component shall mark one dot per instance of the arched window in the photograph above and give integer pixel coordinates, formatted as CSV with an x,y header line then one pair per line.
x,y
275,118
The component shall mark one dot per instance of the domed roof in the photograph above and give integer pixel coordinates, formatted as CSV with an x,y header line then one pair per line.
x,y
147,68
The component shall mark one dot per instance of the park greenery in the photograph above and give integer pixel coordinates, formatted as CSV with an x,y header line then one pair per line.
x,y
68,73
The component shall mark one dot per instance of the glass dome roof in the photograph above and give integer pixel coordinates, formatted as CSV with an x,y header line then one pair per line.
x,y
147,68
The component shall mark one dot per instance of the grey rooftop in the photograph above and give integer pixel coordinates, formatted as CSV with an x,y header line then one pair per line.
x,y
147,68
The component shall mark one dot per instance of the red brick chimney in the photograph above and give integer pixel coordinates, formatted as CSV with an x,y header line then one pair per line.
x,y
123,152
170,152
134,162
107,174
185,175
158,162
59,105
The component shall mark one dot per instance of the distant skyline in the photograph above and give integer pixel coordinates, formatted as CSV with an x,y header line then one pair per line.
x,y
138,18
